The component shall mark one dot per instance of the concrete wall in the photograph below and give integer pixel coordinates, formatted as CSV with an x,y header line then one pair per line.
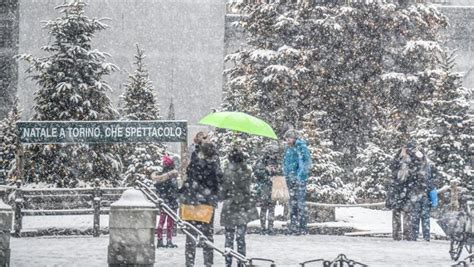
x,y
183,40
460,36
8,48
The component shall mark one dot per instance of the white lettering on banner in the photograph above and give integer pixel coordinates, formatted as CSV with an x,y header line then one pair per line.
x,y
152,132
40,132
25,133
100,133
179,132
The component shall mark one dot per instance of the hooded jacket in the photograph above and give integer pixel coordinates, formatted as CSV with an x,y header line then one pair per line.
x,y
297,162
168,190
413,177
239,207
202,184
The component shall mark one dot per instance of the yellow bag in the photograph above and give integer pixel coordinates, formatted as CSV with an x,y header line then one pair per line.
x,y
197,213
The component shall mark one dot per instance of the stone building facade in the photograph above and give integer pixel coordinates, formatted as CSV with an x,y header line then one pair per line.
x,y
9,31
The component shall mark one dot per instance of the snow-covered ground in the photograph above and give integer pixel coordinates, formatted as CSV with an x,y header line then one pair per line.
x,y
284,250
361,219
370,220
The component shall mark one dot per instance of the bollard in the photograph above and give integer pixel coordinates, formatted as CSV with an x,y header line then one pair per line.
x,y
132,223
6,218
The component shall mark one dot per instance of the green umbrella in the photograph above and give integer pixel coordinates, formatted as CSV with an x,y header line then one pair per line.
x,y
239,121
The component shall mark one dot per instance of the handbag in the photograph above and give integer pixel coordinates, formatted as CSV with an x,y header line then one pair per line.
x,y
434,198
280,189
198,213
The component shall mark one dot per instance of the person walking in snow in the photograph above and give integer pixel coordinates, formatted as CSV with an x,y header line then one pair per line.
x,y
238,208
200,190
167,189
399,192
423,194
296,168
265,168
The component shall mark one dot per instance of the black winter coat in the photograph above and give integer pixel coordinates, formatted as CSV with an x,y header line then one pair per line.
x,y
202,184
168,191
419,181
264,180
239,207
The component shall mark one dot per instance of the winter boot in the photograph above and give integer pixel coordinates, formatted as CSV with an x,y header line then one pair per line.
x,y
159,243
169,244
270,231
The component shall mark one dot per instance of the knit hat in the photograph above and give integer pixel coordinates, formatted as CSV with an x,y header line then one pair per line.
x,y
291,133
236,156
167,161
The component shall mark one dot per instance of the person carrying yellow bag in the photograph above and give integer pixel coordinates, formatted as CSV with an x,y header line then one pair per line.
x,y
199,199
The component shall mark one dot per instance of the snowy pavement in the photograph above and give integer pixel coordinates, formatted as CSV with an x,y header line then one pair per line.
x,y
361,219
285,250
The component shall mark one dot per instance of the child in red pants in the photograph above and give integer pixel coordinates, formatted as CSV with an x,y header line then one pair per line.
x,y
167,189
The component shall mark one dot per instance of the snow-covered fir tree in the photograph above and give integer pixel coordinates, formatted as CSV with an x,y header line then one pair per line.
x,y
139,99
325,184
9,142
140,103
362,65
373,172
71,88
447,125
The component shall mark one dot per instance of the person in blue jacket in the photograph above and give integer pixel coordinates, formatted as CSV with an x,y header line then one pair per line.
x,y
425,197
296,168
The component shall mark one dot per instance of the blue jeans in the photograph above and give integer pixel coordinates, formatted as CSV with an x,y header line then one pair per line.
x,y
421,211
239,233
297,207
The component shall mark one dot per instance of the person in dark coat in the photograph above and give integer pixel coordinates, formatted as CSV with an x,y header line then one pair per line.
x,y
422,195
397,196
407,185
264,169
167,189
239,208
200,138
201,187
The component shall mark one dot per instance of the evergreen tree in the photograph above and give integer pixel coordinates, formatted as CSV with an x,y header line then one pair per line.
x,y
325,183
9,142
71,88
364,66
140,160
373,172
447,125
139,99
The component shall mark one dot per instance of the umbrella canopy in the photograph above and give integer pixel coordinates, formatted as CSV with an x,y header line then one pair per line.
x,y
239,121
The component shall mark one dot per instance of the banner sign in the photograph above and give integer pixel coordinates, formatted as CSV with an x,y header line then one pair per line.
x,y
63,132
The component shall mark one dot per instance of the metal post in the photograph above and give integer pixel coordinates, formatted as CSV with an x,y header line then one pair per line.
x,y
184,162
6,216
18,207
96,203
19,160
